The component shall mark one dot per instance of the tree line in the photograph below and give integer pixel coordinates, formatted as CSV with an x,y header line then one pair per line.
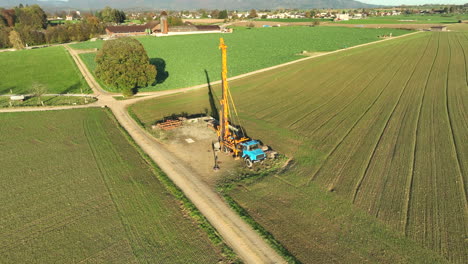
x,y
27,26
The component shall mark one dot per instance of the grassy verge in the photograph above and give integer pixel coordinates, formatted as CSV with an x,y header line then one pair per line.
x,y
47,100
123,98
186,204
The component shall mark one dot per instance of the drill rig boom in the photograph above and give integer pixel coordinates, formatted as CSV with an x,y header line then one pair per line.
x,y
229,137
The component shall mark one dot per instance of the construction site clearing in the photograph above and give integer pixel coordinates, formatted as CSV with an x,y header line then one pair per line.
x,y
195,142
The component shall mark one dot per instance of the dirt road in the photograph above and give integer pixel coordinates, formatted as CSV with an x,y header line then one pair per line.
x,y
246,242
238,235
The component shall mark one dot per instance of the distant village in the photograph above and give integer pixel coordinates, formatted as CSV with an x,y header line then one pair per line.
x,y
328,14
30,25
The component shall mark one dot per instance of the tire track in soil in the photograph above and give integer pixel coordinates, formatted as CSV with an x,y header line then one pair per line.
x,y
465,172
344,86
347,133
353,100
452,134
94,150
415,140
334,183
361,178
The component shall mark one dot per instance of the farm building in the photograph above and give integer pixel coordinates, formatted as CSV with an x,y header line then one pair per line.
x,y
160,28
439,28
342,17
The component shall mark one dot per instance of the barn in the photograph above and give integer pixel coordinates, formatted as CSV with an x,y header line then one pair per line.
x,y
132,30
160,27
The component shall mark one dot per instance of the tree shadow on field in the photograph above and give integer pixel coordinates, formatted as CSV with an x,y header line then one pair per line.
x,y
74,88
7,90
211,97
161,73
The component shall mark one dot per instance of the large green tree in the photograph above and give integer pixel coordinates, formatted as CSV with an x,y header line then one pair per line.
x,y
31,16
124,64
111,15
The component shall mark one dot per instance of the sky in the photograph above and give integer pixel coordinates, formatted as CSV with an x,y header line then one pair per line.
x,y
413,2
391,2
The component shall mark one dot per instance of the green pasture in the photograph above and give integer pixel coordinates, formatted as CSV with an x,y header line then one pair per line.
x,y
51,66
379,146
75,190
189,60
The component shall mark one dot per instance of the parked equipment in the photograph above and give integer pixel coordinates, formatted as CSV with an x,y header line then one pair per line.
x,y
233,139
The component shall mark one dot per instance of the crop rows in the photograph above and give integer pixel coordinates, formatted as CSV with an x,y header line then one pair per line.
x,y
437,211
399,159
73,189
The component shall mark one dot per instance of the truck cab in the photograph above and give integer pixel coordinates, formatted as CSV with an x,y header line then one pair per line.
x,y
251,152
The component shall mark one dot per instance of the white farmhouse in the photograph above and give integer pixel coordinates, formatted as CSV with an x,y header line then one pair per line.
x,y
342,17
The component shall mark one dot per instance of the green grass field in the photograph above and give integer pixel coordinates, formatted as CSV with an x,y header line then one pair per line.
x,y
408,19
51,66
378,136
74,189
187,57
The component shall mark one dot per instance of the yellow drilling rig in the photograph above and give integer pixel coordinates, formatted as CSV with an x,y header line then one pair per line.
x,y
232,139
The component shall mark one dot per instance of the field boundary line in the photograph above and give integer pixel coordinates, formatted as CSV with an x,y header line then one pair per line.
x,y
411,176
361,179
48,108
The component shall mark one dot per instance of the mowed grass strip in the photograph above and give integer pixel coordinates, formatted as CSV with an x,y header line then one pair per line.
x,y
51,66
189,60
382,127
74,189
